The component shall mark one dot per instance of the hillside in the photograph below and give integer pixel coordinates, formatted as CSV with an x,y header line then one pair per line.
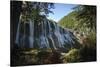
x,y
69,21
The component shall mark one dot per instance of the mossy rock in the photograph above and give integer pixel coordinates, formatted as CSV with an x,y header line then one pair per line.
x,y
72,56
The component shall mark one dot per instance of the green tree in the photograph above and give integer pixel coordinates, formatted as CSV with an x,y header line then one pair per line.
x,y
86,15
69,21
36,10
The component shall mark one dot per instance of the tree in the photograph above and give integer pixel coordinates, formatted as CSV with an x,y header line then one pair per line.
x,y
69,21
36,10
86,15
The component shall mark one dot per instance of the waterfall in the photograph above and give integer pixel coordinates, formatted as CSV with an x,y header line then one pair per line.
x,y
31,34
18,32
17,35
50,35
44,34
57,33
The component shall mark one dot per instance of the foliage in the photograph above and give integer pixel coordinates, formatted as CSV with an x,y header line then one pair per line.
x,y
36,10
69,21
86,15
90,40
82,18
72,56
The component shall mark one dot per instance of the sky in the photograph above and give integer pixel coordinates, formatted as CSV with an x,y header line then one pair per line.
x,y
60,11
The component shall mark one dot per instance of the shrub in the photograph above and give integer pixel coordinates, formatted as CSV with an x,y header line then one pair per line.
x,y
72,56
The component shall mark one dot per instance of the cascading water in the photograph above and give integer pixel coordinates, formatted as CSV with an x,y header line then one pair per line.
x,y
44,34
31,34
17,34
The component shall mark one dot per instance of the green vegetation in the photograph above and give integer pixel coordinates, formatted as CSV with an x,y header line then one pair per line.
x,y
72,56
69,21
86,15
35,10
83,21
82,18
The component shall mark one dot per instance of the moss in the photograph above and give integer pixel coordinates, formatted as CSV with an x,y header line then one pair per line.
x,y
72,56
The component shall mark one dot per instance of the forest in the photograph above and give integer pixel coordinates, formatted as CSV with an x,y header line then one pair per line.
x,y
37,40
